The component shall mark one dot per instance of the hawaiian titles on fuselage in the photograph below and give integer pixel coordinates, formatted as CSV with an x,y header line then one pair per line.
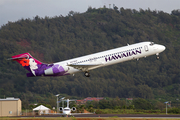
x,y
123,54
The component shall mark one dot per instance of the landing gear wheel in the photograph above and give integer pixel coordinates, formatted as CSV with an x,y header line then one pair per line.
x,y
157,57
87,74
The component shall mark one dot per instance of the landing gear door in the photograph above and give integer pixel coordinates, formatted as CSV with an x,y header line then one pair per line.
x,y
146,48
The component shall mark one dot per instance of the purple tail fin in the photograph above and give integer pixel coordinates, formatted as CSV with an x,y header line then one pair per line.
x,y
37,68
28,62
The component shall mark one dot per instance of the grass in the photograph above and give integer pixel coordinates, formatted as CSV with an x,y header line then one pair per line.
x,y
73,118
129,111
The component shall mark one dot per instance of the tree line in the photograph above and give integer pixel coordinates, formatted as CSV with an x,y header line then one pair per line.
x,y
63,37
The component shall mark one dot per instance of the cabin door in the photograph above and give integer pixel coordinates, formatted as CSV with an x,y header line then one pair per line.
x,y
146,48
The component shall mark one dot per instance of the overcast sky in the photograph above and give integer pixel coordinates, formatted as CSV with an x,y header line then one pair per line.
x,y
13,10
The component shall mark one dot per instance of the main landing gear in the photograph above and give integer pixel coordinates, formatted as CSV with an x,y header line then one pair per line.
x,y
87,74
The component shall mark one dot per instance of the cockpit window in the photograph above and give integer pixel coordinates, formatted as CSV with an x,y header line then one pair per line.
x,y
152,43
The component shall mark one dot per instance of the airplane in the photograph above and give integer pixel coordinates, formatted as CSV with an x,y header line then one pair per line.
x,y
67,111
88,62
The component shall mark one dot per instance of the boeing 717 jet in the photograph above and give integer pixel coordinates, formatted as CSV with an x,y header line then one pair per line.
x,y
88,62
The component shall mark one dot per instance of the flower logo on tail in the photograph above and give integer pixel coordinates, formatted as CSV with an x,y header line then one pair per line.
x,y
24,62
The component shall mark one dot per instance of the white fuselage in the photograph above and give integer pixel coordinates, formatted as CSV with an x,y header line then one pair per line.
x,y
113,56
88,62
66,111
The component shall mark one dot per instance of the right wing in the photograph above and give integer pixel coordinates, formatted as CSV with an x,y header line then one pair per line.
x,y
80,113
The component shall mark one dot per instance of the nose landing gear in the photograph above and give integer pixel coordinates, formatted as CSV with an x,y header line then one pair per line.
x,y
157,56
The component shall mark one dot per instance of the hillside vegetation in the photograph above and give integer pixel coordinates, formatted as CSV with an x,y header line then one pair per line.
x,y
60,38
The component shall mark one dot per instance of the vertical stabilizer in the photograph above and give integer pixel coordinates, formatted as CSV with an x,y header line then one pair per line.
x,y
28,62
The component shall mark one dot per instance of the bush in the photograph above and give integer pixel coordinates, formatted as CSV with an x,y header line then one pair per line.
x,y
99,112
174,110
130,107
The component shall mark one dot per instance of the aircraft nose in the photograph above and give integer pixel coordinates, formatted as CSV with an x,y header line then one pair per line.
x,y
162,47
159,48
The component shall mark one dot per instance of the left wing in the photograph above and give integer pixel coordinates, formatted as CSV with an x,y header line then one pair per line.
x,y
85,67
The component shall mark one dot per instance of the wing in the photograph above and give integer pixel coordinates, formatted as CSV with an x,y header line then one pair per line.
x,y
80,113
85,67
65,114
53,113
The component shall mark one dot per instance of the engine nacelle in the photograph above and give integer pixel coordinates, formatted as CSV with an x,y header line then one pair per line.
x,y
56,69
61,109
73,109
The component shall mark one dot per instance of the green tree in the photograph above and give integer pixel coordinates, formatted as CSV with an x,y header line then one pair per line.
x,y
142,104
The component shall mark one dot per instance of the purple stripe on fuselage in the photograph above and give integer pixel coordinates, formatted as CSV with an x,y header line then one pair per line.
x,y
57,70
